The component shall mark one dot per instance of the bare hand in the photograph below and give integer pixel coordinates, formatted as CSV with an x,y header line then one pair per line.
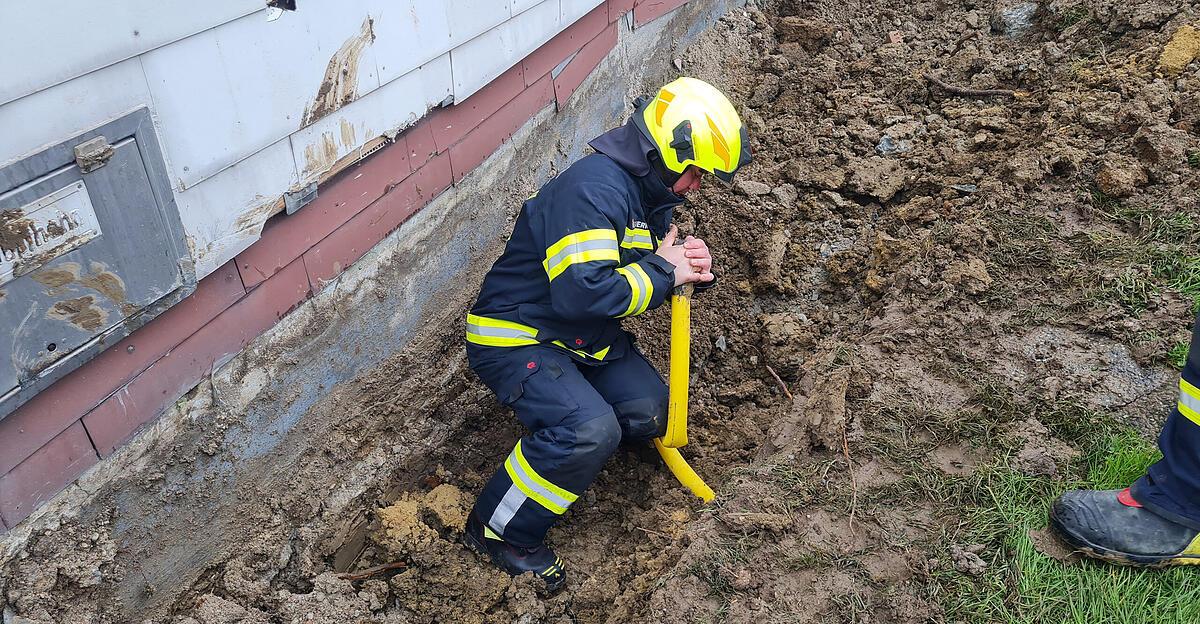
x,y
692,259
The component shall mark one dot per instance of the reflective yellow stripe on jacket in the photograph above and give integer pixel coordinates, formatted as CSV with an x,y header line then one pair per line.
x,y
640,286
580,247
637,238
491,332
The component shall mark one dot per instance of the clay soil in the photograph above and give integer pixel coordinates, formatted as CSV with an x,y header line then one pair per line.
x,y
916,286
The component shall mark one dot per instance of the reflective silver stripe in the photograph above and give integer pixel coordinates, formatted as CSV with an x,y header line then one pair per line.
x,y
531,485
575,248
634,240
500,332
507,509
644,289
1189,402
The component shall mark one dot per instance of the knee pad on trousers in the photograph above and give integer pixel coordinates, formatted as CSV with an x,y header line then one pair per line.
x,y
596,439
642,419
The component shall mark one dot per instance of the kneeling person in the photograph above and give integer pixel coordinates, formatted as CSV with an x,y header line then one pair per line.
x,y
595,245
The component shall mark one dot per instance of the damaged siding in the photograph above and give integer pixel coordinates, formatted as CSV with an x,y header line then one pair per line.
x,y
249,109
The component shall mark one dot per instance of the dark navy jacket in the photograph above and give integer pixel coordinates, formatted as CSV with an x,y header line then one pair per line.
x,y
581,256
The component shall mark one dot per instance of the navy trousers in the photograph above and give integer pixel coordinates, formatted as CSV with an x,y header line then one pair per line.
x,y
1171,488
576,414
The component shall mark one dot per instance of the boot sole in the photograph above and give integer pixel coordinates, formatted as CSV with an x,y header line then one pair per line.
x,y
1096,551
472,543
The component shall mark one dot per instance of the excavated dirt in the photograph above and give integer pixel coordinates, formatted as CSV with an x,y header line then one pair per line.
x,y
938,281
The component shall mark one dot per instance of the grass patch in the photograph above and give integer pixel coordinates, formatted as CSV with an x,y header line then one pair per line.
x,y
1071,16
1177,355
1024,586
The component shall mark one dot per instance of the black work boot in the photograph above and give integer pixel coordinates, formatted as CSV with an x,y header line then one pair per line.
x,y
514,559
1112,526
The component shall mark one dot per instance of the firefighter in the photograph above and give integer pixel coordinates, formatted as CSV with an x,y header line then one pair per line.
x,y
1156,521
594,245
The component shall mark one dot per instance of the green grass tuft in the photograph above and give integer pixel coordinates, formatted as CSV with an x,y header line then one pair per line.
x,y
1177,356
1024,586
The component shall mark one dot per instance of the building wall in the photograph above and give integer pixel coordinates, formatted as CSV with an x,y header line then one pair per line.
x,y
377,153
247,109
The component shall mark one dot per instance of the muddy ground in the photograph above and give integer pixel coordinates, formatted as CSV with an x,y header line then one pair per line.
x,y
916,284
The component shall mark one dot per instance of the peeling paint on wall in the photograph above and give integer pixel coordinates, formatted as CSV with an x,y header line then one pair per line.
x,y
320,156
257,214
339,87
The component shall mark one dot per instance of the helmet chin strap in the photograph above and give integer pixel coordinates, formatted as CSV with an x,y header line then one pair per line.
x,y
666,175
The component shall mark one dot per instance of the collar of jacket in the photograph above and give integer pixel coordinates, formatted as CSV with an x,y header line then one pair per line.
x,y
629,148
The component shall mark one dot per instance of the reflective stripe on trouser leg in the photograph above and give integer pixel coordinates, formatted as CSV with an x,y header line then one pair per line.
x,y
1171,487
526,496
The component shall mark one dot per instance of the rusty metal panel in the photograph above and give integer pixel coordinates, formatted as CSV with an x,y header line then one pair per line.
x,y
95,248
44,229
93,35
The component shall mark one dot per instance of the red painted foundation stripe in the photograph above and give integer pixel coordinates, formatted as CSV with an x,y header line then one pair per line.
x,y
45,473
483,140
421,145
170,377
285,236
646,11
617,8
582,65
328,258
451,124
564,44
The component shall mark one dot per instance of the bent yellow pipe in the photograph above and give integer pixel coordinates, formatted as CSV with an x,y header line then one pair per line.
x,y
681,345
676,436
682,471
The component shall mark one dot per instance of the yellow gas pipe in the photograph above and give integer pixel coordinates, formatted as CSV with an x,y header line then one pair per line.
x,y
676,436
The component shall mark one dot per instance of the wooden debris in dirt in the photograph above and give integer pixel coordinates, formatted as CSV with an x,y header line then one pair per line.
x,y
782,386
971,92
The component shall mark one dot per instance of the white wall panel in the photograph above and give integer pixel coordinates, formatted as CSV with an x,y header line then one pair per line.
x,y
228,92
516,7
396,105
481,59
56,114
469,18
45,43
571,10
224,214
408,34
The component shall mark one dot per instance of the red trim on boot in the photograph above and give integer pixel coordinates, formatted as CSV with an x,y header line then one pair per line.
x,y
1126,499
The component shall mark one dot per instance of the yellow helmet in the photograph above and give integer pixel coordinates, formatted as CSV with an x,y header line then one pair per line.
x,y
693,123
